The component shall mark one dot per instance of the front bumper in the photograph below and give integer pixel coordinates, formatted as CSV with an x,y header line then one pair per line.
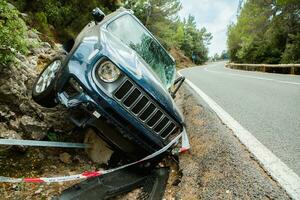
x,y
84,111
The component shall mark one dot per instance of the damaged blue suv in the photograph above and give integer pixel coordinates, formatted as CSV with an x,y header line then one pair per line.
x,y
116,78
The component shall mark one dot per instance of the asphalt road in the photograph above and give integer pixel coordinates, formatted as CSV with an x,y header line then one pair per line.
x,y
267,105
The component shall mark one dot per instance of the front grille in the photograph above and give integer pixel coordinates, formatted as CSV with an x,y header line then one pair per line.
x,y
145,109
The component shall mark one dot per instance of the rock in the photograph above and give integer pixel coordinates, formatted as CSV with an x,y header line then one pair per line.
x,y
6,115
44,59
41,155
99,151
65,158
35,130
24,16
11,6
38,51
38,191
78,159
14,125
8,134
46,46
26,108
33,60
53,167
21,57
33,35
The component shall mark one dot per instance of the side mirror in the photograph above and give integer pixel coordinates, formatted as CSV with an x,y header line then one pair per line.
x,y
179,81
67,46
98,15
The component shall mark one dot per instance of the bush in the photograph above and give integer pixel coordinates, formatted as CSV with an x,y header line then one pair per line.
x,y
13,34
266,32
41,22
292,51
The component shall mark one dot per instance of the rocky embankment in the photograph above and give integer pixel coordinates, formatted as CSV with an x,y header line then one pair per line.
x,y
20,116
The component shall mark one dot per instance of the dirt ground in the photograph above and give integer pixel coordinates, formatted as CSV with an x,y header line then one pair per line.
x,y
217,167
182,61
41,162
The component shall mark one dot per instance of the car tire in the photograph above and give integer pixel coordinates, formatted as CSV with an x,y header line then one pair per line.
x,y
43,91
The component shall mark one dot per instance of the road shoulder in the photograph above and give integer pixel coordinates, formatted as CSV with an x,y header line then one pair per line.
x,y
218,166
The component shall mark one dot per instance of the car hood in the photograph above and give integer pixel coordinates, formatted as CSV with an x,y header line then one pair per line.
x,y
139,71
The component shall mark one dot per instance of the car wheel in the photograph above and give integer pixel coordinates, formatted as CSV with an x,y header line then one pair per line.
x,y
43,91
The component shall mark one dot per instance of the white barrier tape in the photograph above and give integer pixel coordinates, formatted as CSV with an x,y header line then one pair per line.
x,y
184,147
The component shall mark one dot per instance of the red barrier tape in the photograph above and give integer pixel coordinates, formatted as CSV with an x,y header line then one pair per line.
x,y
185,146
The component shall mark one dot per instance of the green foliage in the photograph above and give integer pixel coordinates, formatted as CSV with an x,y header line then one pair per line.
x,y
63,19
52,136
13,34
224,55
195,41
161,18
41,22
292,51
179,35
266,32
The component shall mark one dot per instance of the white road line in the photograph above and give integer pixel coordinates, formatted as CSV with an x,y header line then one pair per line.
x,y
285,176
254,77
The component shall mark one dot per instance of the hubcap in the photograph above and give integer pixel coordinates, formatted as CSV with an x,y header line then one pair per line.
x,y
47,76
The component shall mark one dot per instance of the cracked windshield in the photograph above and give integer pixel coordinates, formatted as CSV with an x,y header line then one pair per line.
x,y
133,34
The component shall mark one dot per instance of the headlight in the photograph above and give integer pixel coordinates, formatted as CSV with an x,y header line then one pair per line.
x,y
108,72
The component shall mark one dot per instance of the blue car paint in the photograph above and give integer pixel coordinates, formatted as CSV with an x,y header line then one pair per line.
x,y
81,65
82,72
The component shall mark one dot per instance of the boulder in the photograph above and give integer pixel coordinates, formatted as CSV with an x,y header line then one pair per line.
x,y
65,158
6,133
99,151
33,35
36,130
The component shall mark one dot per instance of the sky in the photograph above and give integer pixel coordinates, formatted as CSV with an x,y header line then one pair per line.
x,y
214,15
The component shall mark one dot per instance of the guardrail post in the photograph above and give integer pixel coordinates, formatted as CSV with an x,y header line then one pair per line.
x,y
264,68
292,70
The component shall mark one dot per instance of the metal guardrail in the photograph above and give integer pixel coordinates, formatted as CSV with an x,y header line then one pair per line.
x,y
293,68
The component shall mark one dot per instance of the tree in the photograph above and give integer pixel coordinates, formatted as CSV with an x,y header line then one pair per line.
x,y
161,18
179,35
224,55
63,19
216,57
195,41
266,32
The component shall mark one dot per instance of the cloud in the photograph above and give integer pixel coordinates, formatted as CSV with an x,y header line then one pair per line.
x,y
215,16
